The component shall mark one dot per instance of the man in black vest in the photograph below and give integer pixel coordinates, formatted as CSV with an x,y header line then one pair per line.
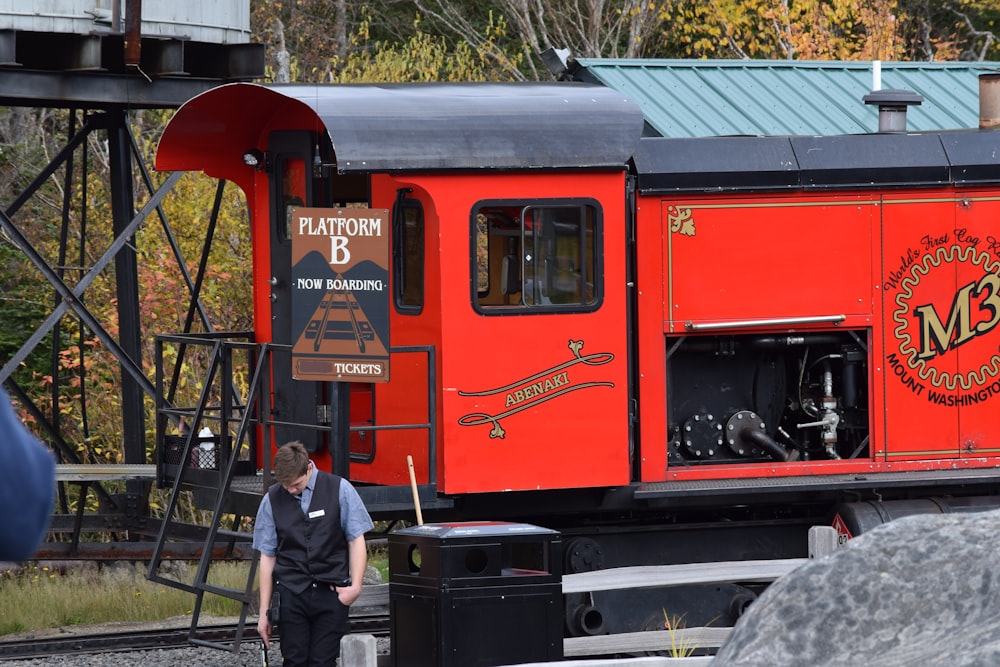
x,y
310,531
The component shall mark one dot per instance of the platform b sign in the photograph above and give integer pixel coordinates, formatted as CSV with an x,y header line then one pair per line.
x,y
340,294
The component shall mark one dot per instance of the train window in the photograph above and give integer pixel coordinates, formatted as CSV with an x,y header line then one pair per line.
x,y
408,254
293,191
536,255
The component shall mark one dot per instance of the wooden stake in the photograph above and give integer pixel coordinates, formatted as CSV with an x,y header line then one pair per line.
x,y
413,486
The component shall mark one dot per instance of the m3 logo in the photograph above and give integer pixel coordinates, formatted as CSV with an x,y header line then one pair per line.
x,y
945,342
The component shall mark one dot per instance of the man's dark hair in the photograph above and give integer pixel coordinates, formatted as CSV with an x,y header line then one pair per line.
x,y
291,462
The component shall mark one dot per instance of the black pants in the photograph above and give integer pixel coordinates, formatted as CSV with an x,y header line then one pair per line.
x,y
312,624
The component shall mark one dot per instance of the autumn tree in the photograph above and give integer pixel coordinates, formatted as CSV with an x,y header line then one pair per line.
x,y
829,29
316,41
593,28
311,31
70,374
29,137
425,57
24,141
761,29
957,30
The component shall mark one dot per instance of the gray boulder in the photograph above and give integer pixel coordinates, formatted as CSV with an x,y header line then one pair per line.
x,y
921,590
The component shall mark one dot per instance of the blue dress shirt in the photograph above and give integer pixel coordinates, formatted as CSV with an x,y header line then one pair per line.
x,y
354,518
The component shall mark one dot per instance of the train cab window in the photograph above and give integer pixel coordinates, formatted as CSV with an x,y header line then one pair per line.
x,y
540,256
408,254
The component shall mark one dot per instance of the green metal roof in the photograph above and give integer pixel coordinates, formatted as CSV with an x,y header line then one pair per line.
x,y
702,98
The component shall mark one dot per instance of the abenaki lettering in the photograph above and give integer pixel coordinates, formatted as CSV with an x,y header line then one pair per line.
x,y
533,391
538,388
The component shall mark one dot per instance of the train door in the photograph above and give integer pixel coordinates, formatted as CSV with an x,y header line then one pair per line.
x,y
295,402
922,320
301,174
380,456
539,363
976,306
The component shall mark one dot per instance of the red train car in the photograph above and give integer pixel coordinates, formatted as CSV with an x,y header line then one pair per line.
x,y
672,350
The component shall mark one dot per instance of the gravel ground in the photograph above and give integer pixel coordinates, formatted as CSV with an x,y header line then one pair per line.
x,y
182,657
195,656
191,656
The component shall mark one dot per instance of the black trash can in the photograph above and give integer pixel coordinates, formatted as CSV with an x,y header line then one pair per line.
x,y
475,595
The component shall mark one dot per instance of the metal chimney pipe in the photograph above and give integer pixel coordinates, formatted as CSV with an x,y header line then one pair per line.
x,y
892,105
989,101
133,32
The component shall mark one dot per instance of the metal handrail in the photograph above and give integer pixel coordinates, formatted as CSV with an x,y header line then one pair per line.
x,y
254,407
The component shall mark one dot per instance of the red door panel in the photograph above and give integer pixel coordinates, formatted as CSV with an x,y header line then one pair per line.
x,y
748,257
977,306
921,321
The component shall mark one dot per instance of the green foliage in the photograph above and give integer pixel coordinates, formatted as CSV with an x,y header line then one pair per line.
x,y
10,627
22,307
87,406
226,289
27,138
424,57
339,42
378,557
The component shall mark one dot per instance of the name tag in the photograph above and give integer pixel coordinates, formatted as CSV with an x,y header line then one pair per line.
x,y
316,514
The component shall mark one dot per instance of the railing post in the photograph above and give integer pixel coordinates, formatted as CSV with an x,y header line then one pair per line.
x,y
340,429
358,651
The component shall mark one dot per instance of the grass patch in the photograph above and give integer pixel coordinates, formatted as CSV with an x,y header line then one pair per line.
x,y
9,629
36,597
679,647
378,557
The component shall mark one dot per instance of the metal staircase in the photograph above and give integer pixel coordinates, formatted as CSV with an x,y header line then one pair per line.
x,y
218,474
